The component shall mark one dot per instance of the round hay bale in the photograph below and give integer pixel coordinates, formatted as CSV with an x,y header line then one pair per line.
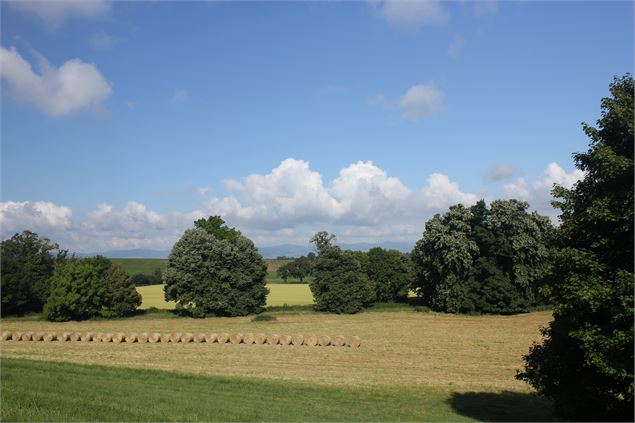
x,y
143,338
17,336
6,336
154,338
27,336
273,339
236,338
324,340
51,336
119,338
176,337
211,337
38,336
248,338
223,338
132,338
187,337
311,341
297,340
286,340
76,336
98,336
354,342
260,338
87,337
65,336
339,341
165,338
199,337
107,337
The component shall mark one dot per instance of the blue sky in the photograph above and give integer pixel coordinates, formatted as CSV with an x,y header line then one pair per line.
x,y
123,121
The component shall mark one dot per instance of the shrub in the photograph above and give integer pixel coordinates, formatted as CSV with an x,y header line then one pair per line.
x,y
215,270
122,299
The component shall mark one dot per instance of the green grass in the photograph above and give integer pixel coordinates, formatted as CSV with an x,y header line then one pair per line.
x,y
46,391
145,266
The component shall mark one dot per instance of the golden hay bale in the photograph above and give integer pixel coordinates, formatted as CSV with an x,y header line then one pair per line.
x,y
143,338
223,338
132,337
187,337
211,337
260,338
166,337
38,336
236,338
17,336
6,336
65,336
311,341
86,337
354,342
273,339
176,337
98,336
248,338
76,336
339,341
27,336
324,340
51,336
199,337
154,338
286,339
107,337
297,340
119,338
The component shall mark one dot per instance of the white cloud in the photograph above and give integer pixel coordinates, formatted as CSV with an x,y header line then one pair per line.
x,y
412,14
41,215
455,47
55,12
500,172
421,101
73,86
179,96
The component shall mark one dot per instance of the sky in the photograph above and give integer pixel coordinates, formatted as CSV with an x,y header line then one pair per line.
x,y
122,122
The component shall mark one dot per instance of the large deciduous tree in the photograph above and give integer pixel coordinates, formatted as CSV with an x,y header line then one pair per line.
x,y
585,362
391,273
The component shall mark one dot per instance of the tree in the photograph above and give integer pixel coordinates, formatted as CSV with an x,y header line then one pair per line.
x,y
391,273
121,299
28,264
585,362
213,269
322,240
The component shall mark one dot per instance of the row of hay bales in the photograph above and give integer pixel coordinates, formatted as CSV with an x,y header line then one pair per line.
x,y
221,338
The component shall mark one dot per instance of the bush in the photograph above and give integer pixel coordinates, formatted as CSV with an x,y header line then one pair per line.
x,y
122,299
339,285
27,267
215,270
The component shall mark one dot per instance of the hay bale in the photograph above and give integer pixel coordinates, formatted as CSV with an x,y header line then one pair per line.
x,y
176,337
339,341
119,338
107,337
166,337
260,338
248,338
187,337
38,336
211,337
27,336
65,336
236,338
154,338
51,336
311,341
98,336
286,339
6,336
87,337
273,339
132,338
297,340
17,336
223,338
76,336
199,337
354,341
324,340
143,338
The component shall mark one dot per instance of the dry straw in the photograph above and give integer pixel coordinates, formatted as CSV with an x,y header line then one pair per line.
x,y
248,338
354,342
236,338
76,336
311,341
211,337
98,336
17,336
154,338
51,336
176,337
166,337
107,337
143,338
223,338
119,338
87,337
200,337
6,336
27,336
260,338
324,340
273,339
339,341
285,339
297,340
132,337
186,337
65,336
39,336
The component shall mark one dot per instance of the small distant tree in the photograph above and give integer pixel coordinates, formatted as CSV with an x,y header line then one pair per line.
x,y
391,273
213,269
28,263
284,272
322,240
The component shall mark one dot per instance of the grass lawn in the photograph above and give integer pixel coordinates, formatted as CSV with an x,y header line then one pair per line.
x,y
45,391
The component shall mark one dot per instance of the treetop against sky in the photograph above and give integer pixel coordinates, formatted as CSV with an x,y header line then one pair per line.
x,y
123,122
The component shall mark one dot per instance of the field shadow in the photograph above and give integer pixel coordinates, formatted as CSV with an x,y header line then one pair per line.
x,y
503,406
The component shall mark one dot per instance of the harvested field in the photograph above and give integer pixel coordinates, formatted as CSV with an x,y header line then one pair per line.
x,y
416,349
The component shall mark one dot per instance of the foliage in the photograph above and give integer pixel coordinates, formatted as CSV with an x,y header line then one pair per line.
x,y
140,279
215,226
585,362
391,273
210,274
322,240
122,299
27,266
299,268
339,284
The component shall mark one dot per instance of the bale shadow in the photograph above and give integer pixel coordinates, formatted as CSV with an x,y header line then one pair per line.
x,y
503,406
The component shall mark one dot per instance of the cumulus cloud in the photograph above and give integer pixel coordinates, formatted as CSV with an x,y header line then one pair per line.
x,y
500,172
16,216
421,101
56,91
55,12
412,14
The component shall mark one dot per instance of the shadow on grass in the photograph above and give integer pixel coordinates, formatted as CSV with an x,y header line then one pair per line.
x,y
504,406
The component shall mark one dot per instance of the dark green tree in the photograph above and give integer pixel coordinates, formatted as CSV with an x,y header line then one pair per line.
x,y
28,264
322,240
391,273
121,299
585,363
214,270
